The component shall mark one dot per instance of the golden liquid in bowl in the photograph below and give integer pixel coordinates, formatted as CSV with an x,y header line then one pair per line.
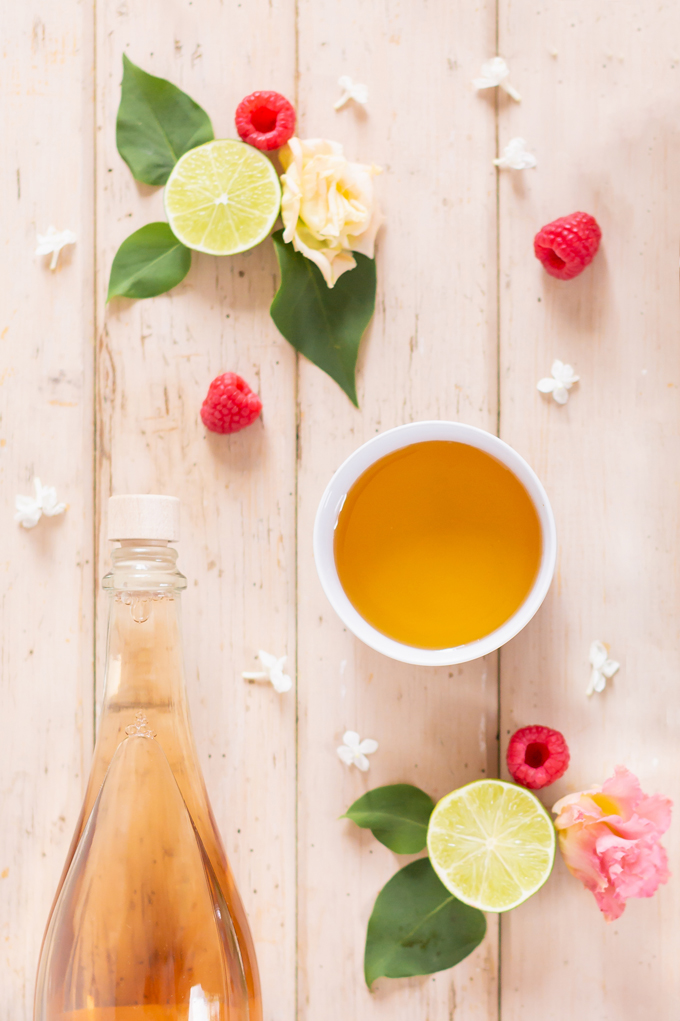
x,y
437,544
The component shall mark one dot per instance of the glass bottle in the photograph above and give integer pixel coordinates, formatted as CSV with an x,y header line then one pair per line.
x,y
147,922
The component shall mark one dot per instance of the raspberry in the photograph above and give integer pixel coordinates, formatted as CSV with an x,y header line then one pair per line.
x,y
537,756
566,246
265,120
230,405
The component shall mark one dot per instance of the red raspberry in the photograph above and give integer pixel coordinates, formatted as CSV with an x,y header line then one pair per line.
x,y
230,405
566,246
537,756
265,120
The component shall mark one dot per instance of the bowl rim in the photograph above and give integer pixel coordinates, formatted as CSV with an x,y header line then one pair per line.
x,y
334,497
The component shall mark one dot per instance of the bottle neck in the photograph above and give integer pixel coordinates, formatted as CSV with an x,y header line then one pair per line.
x,y
144,665
144,566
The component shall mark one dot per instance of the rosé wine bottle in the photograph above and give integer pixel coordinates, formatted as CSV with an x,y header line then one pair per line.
x,y
147,922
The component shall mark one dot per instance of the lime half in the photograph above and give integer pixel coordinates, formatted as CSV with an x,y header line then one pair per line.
x,y
492,844
222,197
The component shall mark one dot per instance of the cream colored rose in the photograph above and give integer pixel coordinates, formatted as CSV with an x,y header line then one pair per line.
x,y
328,206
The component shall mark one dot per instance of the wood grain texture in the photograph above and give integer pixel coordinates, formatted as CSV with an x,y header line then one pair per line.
x,y
46,429
599,85
429,353
156,361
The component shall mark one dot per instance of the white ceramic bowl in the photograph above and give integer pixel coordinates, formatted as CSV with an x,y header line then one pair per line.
x,y
331,505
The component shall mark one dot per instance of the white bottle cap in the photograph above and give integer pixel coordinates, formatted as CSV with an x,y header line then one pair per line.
x,y
144,517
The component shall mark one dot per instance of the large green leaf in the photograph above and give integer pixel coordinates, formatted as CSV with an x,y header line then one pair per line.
x,y
418,927
149,262
157,123
324,323
397,815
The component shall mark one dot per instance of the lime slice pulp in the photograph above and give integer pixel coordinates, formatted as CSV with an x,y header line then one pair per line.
x,y
492,844
222,197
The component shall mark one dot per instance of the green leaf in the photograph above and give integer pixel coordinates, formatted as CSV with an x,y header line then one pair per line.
x,y
149,262
397,815
157,123
324,323
418,927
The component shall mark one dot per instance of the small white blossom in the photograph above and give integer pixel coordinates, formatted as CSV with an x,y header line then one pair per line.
x,y
30,509
351,90
603,667
516,156
495,72
273,671
53,242
353,750
559,383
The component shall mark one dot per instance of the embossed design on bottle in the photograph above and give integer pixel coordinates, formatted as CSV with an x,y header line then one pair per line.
x,y
140,728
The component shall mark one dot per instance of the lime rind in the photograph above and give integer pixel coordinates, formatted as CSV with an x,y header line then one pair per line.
x,y
492,844
222,197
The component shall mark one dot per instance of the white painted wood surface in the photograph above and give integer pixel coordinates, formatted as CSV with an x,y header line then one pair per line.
x,y
430,353
156,360
600,117
599,109
46,409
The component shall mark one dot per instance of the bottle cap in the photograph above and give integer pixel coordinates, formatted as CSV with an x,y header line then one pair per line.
x,y
144,517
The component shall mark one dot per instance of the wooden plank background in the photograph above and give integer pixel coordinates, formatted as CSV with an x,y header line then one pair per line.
x,y
98,399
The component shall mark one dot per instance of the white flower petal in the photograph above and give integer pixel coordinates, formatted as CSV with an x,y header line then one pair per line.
x,y
599,681
512,92
50,506
565,375
29,509
27,503
351,739
492,73
365,243
516,156
597,654
353,750
282,682
495,68
351,90
563,378
603,667
27,514
332,262
273,672
52,243
328,204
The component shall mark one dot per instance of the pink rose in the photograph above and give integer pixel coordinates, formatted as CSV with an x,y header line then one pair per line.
x,y
609,838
